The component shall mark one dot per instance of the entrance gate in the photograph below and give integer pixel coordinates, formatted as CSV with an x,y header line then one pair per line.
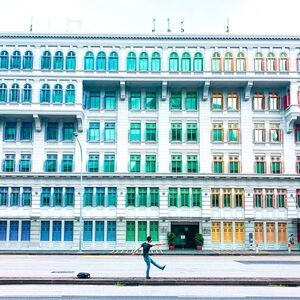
x,y
185,234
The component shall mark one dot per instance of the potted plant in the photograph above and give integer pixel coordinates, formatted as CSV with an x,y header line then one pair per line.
x,y
171,236
199,240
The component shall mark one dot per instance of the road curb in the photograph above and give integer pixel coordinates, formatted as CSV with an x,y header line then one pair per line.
x,y
165,253
233,281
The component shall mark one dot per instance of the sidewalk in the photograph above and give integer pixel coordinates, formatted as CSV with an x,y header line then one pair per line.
x,y
130,270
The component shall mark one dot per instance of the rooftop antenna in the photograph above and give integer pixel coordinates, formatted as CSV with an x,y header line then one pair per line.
x,y
168,21
227,26
153,25
30,28
182,25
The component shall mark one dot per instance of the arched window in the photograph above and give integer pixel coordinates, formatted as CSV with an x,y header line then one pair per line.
x,y
155,62
283,63
241,62
89,61
174,62
101,61
45,93
57,94
4,60
113,61
70,94
46,60
271,62
27,93
198,62
131,61
16,60
3,92
216,62
143,62
15,93
186,62
259,62
228,62
28,60
58,62
71,61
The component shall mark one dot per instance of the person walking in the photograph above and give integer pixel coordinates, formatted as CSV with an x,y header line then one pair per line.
x,y
292,241
148,260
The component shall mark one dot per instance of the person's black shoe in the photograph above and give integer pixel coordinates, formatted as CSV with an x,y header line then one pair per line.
x,y
148,277
163,267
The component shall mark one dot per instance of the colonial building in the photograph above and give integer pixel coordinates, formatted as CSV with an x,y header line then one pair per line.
x,y
182,133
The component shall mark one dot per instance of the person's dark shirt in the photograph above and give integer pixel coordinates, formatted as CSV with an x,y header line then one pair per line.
x,y
146,248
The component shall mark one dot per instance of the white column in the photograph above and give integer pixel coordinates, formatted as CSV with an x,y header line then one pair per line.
x,y
163,136
163,202
122,136
248,202
38,150
246,132
204,138
291,203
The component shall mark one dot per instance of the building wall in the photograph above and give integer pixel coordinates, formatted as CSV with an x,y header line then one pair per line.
x,y
205,83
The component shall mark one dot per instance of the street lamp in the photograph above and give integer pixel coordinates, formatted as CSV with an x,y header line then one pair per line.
x,y
81,193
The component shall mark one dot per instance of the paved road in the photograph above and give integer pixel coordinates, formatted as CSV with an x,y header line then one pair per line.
x,y
148,293
134,266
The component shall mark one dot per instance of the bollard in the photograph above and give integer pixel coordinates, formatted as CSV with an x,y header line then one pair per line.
x,y
256,248
289,248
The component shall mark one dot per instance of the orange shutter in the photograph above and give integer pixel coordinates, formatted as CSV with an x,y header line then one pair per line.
x,y
259,232
270,232
282,233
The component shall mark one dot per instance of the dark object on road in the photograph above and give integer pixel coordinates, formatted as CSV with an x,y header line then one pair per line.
x,y
83,275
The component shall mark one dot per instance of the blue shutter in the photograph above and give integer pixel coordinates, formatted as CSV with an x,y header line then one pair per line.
x,y
45,230
99,231
14,230
88,231
56,231
3,230
111,231
68,234
25,231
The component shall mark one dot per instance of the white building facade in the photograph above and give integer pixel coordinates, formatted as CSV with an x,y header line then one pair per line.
x,y
182,133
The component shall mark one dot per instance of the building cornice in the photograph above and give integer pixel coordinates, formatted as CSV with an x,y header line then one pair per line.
x,y
153,36
154,176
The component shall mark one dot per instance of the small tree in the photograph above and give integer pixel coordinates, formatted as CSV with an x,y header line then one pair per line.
x,y
171,236
199,239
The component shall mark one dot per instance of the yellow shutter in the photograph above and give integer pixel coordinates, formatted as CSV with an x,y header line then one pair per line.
x,y
227,229
216,232
239,232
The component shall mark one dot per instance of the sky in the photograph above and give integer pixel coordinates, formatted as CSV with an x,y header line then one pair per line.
x,y
135,16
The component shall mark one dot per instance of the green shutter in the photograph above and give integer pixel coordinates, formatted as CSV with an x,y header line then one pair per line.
x,y
154,196
142,231
154,231
173,197
142,196
130,231
197,197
